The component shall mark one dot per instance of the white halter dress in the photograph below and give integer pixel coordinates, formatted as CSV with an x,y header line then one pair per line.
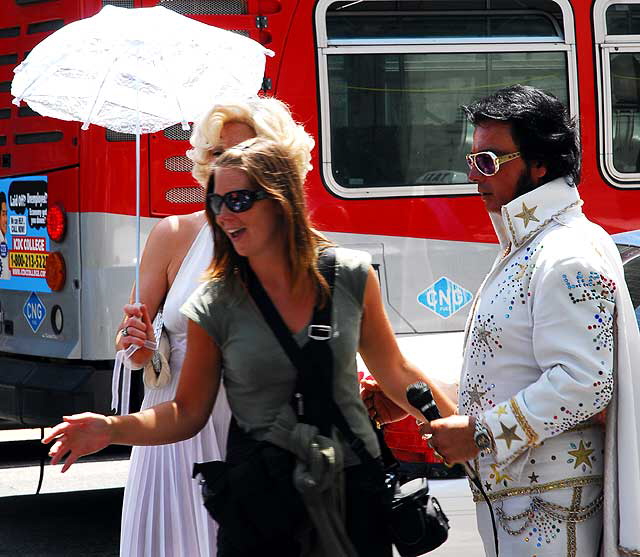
x,y
162,512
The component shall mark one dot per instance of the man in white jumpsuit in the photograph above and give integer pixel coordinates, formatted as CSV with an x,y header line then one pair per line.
x,y
550,343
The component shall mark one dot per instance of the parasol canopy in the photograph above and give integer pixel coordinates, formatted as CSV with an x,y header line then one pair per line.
x,y
148,62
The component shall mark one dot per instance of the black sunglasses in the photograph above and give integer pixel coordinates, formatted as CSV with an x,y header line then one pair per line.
x,y
237,201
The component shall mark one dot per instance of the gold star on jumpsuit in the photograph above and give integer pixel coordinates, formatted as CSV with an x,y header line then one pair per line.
x,y
484,335
582,455
509,434
475,395
527,215
499,476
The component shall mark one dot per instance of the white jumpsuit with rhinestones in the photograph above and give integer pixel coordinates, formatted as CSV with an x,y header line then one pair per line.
x,y
538,364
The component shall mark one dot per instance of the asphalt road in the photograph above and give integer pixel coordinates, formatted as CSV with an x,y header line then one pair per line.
x,y
77,514
67,524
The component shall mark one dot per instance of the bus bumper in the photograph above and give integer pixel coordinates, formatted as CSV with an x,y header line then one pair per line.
x,y
38,394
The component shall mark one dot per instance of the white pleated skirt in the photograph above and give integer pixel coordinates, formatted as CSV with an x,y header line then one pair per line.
x,y
163,514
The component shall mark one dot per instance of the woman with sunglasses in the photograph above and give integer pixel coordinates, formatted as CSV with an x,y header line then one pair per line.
x,y
257,210
162,507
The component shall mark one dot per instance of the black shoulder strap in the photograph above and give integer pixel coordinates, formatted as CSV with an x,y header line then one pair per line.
x,y
314,362
273,319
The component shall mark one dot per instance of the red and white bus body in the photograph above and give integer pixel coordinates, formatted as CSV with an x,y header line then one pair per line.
x,y
379,85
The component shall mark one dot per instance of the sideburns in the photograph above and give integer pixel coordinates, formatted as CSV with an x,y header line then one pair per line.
x,y
525,183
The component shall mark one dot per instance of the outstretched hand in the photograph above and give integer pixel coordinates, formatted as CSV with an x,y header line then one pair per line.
x,y
382,410
78,435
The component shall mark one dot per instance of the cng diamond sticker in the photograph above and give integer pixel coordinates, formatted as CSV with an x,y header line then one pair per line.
x,y
444,297
34,312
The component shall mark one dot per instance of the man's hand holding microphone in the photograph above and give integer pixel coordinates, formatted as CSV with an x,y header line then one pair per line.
x,y
451,438
456,439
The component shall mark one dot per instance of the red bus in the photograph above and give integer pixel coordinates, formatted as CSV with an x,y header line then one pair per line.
x,y
379,83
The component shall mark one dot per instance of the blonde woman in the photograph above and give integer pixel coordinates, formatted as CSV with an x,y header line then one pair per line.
x,y
162,509
257,209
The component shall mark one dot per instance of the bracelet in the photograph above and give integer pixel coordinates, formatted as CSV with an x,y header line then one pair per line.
x,y
483,437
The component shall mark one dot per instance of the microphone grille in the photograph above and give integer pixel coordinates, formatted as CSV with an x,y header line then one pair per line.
x,y
418,393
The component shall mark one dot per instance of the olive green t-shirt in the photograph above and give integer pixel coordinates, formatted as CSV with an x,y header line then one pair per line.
x,y
258,376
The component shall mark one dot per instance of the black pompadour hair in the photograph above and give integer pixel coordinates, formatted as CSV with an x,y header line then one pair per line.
x,y
541,127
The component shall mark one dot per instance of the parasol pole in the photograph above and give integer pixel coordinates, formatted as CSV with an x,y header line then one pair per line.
x,y
137,191
138,211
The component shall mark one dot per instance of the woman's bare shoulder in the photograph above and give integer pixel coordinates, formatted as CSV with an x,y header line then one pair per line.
x,y
170,240
174,234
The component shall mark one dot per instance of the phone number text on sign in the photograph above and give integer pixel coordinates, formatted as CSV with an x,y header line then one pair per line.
x,y
28,264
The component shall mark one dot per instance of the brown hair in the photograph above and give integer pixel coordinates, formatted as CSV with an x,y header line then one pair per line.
x,y
270,167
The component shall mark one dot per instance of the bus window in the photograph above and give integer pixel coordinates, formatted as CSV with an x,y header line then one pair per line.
x,y
394,75
618,36
623,19
625,111
439,25
402,111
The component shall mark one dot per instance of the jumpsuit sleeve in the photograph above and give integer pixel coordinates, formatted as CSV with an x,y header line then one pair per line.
x,y
572,310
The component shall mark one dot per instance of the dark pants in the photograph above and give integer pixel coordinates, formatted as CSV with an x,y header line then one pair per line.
x,y
365,516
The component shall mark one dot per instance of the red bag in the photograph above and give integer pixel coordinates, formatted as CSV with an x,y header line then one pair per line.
x,y
407,444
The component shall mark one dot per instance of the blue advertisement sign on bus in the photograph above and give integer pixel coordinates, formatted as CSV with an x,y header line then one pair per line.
x,y
24,242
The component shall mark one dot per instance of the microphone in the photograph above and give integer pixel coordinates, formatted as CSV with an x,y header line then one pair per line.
x,y
420,397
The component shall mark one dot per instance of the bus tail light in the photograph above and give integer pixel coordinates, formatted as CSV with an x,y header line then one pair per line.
x,y
56,222
56,271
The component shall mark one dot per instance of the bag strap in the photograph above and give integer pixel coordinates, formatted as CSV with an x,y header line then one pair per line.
x,y
273,319
314,362
316,385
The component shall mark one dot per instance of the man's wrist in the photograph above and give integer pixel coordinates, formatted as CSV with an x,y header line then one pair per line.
x,y
482,436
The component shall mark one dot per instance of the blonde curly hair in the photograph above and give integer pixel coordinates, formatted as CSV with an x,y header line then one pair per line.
x,y
269,117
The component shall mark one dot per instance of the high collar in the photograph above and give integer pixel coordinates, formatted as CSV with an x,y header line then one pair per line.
x,y
524,217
